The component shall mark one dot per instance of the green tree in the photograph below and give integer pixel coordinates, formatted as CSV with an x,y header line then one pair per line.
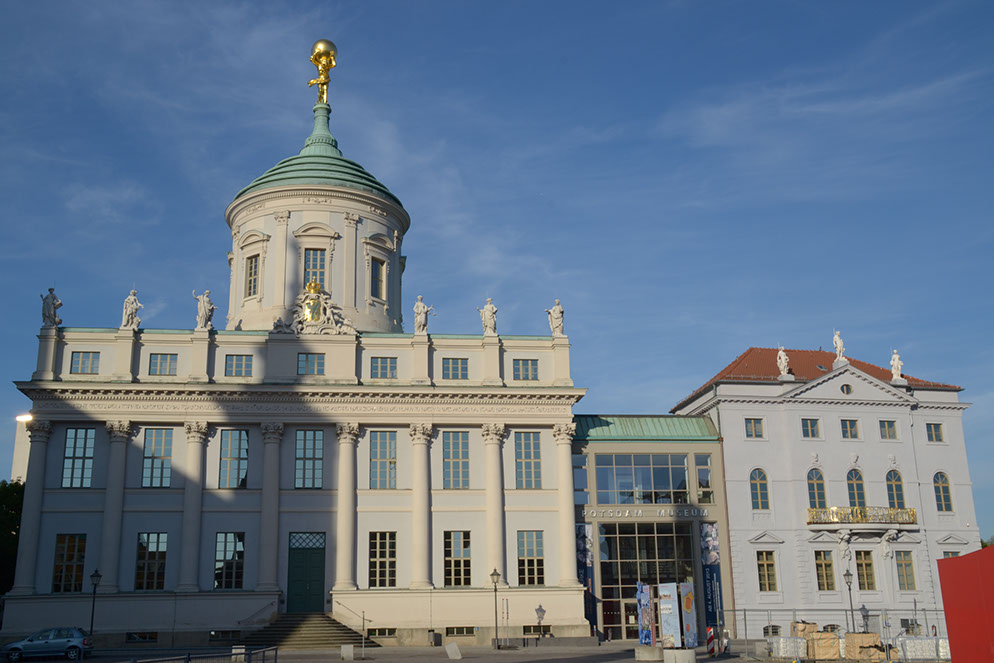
x,y
988,542
11,496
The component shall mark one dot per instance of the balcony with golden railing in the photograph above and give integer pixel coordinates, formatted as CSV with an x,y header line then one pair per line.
x,y
861,515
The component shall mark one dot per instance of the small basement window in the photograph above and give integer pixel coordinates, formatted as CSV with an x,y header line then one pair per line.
x,y
537,629
451,631
771,631
382,632
141,636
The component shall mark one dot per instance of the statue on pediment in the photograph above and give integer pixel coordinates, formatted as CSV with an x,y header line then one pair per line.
x,y
421,311
556,315
488,316
205,310
50,303
783,362
895,366
840,349
129,316
313,312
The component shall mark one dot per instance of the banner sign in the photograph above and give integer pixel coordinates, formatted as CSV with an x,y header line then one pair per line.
x,y
669,616
688,615
643,598
711,561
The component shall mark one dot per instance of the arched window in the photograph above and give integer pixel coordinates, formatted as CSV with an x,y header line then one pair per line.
x,y
895,490
857,497
816,489
760,492
943,497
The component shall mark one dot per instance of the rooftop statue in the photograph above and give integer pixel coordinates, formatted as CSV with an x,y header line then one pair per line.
x,y
205,310
840,350
50,303
323,56
421,311
556,314
488,315
129,316
783,362
895,366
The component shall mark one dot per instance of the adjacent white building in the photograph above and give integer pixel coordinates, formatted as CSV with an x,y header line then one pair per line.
x,y
311,457
833,466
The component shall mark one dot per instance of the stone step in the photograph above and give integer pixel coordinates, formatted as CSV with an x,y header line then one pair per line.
x,y
305,631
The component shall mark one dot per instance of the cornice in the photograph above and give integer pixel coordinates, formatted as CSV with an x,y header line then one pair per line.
x,y
714,402
373,204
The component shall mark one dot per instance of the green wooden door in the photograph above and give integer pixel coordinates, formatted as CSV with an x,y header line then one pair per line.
x,y
305,582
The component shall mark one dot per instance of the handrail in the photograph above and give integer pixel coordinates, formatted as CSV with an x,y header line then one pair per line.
x,y
362,617
242,621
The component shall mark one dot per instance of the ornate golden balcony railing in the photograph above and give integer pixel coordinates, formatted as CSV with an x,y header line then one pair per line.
x,y
861,514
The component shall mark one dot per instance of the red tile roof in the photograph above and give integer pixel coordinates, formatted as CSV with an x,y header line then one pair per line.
x,y
760,365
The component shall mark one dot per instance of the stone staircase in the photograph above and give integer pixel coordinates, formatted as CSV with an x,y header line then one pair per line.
x,y
309,630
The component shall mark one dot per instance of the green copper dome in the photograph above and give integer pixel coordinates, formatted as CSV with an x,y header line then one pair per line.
x,y
320,162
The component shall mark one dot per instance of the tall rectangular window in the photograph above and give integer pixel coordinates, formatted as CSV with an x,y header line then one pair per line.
x,y
383,559
642,478
888,429
705,491
531,558
77,464
456,552
525,369
157,458
161,364
377,272
252,276
754,428
850,429
314,266
905,570
309,459
383,367
527,461
767,571
824,571
233,470
150,568
229,560
934,432
455,368
809,428
238,366
309,363
70,553
85,363
383,459
864,571
581,489
455,460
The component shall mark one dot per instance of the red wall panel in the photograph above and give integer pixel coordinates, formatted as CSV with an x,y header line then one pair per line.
x,y
968,596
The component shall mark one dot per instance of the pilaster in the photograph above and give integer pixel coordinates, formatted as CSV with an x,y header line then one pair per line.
x,y
349,282
560,362
193,493
340,357
200,343
421,351
34,489
421,434
493,441
124,355
48,346
279,276
345,515
491,361
120,433
563,435
269,523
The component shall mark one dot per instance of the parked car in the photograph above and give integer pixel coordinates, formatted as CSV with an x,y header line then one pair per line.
x,y
69,641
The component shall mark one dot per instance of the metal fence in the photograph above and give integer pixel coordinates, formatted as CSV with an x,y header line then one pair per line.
x,y
756,624
237,655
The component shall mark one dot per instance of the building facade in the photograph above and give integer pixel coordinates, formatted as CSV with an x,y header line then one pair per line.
x,y
650,498
836,465
311,457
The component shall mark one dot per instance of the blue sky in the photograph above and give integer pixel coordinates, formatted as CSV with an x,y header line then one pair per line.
x,y
689,178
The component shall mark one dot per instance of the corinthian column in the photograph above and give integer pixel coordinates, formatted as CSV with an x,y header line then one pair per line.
x,y
493,440
563,435
34,488
120,433
193,497
345,515
269,518
421,506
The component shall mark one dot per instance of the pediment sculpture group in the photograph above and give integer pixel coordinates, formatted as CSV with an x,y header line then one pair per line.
x,y
488,317
130,319
783,361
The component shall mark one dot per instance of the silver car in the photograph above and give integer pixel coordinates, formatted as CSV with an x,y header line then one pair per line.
x,y
69,641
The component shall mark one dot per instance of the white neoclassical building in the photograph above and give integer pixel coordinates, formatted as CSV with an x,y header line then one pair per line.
x,y
311,456
834,464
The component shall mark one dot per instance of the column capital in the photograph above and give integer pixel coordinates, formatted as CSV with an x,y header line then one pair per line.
x,y
120,431
563,433
348,433
272,432
351,219
282,217
38,430
493,433
421,433
196,431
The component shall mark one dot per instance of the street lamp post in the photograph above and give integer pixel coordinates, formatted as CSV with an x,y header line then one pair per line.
x,y
540,614
95,581
865,614
847,576
495,578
